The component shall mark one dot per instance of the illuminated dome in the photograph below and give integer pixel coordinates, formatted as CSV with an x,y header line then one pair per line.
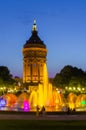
x,y
34,40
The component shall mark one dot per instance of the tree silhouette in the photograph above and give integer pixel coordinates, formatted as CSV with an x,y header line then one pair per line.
x,y
70,76
5,75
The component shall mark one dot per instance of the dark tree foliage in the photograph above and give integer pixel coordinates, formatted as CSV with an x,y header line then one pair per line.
x,y
70,75
5,75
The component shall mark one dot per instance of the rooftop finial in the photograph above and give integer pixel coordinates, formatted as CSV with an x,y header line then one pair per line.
x,y
34,21
34,28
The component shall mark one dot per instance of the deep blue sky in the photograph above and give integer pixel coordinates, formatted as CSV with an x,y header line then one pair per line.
x,y
61,25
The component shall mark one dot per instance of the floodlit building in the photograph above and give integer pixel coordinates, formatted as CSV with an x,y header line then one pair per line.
x,y
35,68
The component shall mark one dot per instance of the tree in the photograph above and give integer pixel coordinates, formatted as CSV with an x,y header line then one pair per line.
x,y
70,76
5,75
59,81
62,79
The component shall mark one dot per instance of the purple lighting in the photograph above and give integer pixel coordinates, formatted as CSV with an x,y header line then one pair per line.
x,y
26,106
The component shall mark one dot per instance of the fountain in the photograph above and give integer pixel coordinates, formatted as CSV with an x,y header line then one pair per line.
x,y
40,92
56,102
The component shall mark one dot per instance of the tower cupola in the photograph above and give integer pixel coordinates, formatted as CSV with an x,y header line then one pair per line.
x,y
34,40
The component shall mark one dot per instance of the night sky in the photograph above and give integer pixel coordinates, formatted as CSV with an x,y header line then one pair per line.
x,y
61,25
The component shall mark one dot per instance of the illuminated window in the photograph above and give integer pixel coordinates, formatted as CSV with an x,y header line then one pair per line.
x,y
34,78
34,64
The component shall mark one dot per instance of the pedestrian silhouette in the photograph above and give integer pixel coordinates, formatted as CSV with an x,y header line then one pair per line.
x,y
43,110
37,110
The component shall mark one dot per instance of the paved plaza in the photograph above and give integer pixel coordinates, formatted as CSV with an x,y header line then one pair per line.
x,y
42,117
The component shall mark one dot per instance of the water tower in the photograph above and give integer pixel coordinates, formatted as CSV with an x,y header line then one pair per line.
x,y
35,68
